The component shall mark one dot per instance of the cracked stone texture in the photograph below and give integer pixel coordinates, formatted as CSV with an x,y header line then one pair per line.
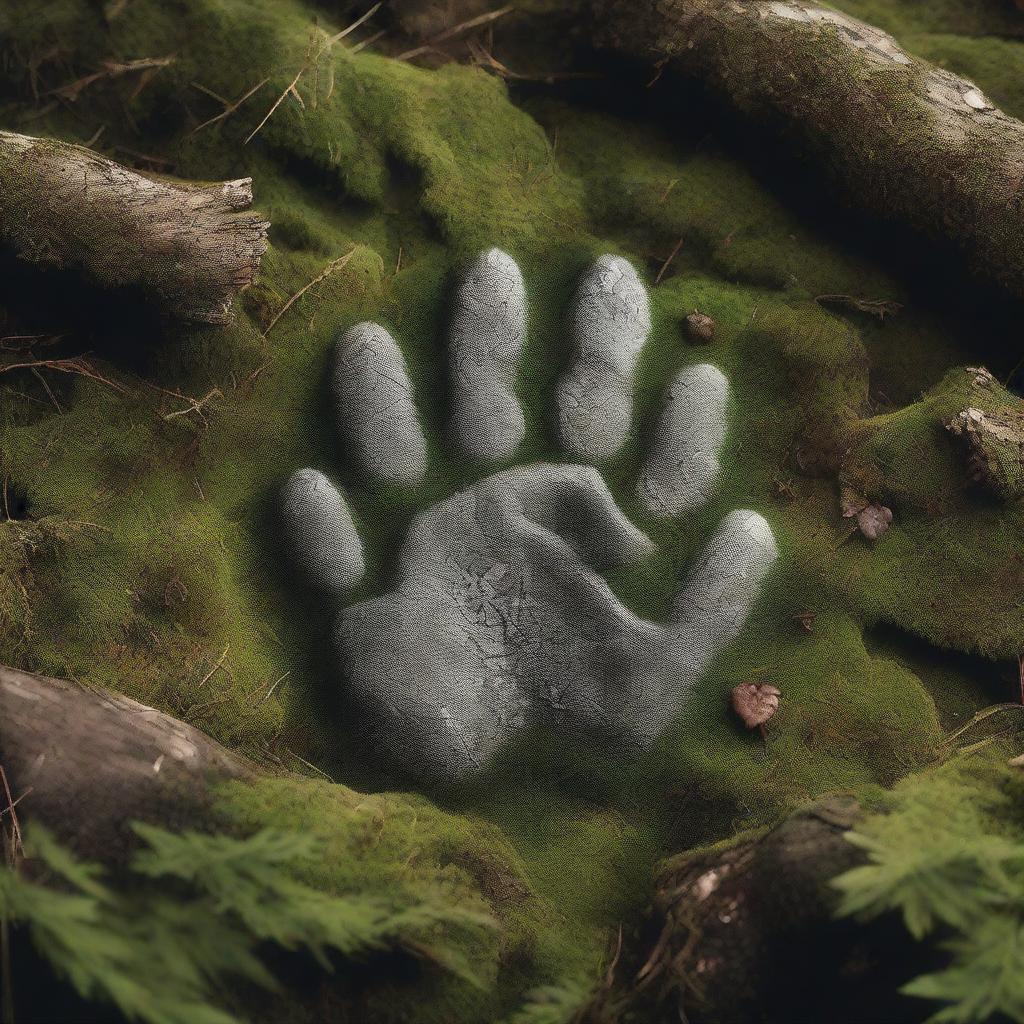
x,y
375,406
321,538
500,619
682,468
488,329
610,324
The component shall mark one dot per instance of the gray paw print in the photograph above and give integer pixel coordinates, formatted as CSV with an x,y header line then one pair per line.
x,y
500,618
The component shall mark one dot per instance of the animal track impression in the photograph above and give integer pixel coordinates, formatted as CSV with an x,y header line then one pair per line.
x,y
500,618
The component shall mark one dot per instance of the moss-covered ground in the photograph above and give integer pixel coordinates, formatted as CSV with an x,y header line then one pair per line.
x,y
143,555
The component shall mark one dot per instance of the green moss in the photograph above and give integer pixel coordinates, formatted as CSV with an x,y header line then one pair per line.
x,y
176,593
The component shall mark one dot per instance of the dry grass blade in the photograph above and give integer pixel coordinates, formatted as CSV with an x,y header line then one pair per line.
x,y
311,60
331,267
980,717
464,26
331,40
229,107
109,69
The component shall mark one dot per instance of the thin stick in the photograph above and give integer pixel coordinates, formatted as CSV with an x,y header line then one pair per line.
x,y
229,107
671,256
308,764
273,687
331,267
220,661
16,838
309,62
111,69
280,99
355,24
368,41
46,387
196,405
78,365
465,26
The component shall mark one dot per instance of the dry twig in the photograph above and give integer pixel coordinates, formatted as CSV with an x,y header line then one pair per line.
x,y
229,106
311,61
109,69
464,26
880,308
671,256
331,267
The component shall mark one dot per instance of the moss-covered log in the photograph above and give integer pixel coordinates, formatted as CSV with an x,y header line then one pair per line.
x,y
189,246
87,762
903,138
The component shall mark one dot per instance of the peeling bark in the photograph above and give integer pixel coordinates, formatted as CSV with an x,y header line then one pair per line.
x,y
189,246
903,138
87,762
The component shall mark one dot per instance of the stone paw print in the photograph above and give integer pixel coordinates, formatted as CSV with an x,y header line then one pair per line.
x,y
500,618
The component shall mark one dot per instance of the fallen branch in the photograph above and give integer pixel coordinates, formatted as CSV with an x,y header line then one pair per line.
x,y
96,760
903,138
188,246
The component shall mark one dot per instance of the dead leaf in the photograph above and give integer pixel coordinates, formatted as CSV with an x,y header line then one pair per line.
x,y
755,703
872,519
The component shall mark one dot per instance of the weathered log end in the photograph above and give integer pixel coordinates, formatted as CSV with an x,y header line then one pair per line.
x,y
87,762
190,247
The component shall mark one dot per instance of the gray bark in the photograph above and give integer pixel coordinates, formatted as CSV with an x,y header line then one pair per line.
x,y
87,762
190,247
903,138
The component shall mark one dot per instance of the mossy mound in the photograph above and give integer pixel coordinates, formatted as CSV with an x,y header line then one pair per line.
x,y
146,557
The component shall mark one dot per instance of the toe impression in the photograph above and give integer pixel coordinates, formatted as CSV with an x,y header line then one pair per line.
x,y
714,606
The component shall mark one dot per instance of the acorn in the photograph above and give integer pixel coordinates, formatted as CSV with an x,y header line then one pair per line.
x,y
700,328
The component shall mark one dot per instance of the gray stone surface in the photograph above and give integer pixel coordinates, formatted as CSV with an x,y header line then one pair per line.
x,y
500,619
375,406
488,328
319,533
610,323
682,467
